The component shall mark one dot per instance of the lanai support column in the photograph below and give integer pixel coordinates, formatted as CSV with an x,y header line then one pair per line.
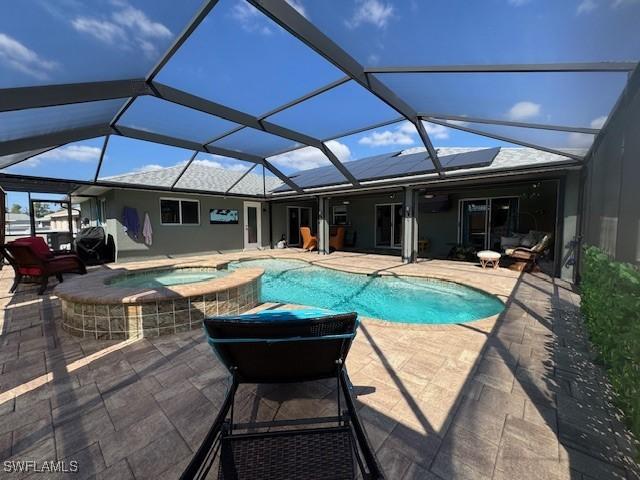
x,y
409,226
323,225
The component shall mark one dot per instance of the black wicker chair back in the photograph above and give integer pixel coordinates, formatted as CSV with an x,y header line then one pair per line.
x,y
285,350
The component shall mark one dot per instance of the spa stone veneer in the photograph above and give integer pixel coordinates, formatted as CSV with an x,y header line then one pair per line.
x,y
92,308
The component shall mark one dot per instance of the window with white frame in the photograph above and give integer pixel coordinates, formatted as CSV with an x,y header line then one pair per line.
x,y
178,211
340,216
102,212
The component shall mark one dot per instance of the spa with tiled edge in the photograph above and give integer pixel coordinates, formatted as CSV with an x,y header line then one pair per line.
x,y
135,301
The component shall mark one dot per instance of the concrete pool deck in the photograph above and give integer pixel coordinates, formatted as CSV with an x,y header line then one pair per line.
x,y
513,396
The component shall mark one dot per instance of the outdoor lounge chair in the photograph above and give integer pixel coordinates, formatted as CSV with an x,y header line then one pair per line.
x,y
336,239
34,262
525,258
284,346
309,242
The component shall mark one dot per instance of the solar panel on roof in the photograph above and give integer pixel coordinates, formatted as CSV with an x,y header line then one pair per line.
x,y
475,158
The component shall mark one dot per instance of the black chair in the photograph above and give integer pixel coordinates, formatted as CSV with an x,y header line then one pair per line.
x,y
282,346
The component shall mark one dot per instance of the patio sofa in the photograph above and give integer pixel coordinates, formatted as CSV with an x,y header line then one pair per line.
x,y
34,262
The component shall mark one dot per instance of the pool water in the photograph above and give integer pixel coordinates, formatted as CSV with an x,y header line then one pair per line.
x,y
396,299
166,278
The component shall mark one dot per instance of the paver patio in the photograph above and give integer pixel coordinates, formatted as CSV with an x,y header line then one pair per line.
x,y
517,396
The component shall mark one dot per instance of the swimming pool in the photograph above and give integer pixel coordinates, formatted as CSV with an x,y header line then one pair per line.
x,y
396,299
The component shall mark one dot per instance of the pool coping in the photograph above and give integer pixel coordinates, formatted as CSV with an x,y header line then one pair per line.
x,y
93,289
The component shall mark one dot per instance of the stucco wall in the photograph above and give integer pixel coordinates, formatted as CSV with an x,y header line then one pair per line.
x,y
171,240
611,209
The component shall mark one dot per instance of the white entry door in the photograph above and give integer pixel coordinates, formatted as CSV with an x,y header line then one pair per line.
x,y
252,226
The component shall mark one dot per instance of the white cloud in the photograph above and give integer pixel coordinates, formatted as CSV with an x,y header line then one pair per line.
x,y
70,153
584,140
374,12
373,59
137,21
598,122
524,110
127,27
404,134
340,150
621,3
586,6
579,140
18,57
236,167
310,157
250,18
459,123
103,30
146,168
297,5
436,131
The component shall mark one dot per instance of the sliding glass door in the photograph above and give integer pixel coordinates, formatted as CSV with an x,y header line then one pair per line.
x,y
483,221
297,217
389,225
474,215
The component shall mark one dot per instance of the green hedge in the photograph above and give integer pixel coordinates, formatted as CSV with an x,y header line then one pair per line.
x,y
611,306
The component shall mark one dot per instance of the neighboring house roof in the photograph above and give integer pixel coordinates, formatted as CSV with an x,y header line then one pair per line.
x,y
456,161
17,217
201,177
59,214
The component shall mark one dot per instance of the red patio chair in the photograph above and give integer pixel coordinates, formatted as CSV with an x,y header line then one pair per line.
x,y
33,262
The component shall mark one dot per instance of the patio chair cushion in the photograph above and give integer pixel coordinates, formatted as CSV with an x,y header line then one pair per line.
x,y
37,244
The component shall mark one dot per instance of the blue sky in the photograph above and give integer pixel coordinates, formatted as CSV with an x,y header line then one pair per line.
x,y
240,58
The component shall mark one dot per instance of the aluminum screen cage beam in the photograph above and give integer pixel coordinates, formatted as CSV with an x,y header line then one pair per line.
x,y
249,170
510,68
502,138
295,23
507,123
21,98
189,145
184,169
74,184
175,46
53,139
259,123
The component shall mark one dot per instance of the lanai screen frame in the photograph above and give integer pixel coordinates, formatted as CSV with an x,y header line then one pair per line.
x,y
20,98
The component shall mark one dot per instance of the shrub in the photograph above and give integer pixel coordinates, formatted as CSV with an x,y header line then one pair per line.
x,y
611,307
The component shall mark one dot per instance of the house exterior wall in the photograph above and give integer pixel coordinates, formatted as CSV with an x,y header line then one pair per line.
x,y
174,239
611,210
362,216
441,229
279,217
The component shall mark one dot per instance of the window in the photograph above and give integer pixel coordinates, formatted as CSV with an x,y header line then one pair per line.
x,y
174,211
102,212
340,216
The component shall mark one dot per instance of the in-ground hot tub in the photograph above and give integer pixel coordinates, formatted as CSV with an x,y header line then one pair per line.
x,y
135,301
